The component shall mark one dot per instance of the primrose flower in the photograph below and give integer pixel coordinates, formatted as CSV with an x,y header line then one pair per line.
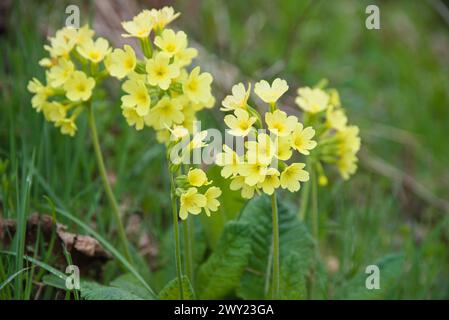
x,y
197,178
41,93
261,151
212,203
253,173
238,183
67,126
347,165
137,97
301,139
279,123
54,111
120,62
79,86
162,17
336,118
185,56
230,162
283,148
84,34
240,123
292,175
312,100
197,86
165,113
238,99
271,181
140,26
61,72
62,43
271,94
191,202
170,42
132,117
160,71
94,51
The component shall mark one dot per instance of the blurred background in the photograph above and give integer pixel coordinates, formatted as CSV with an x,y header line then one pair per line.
x,y
394,83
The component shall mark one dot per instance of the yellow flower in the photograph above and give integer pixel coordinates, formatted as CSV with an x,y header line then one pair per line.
x,y
312,100
67,126
347,165
191,202
301,139
94,51
260,151
197,86
162,17
165,113
170,42
212,203
62,43
185,56
163,136
137,96
279,123
47,63
59,73
292,175
283,148
84,34
121,62
273,93
238,183
334,98
197,178
230,162
336,118
54,111
254,173
271,181
160,71
238,99
41,93
79,86
349,140
178,132
240,124
132,117
140,26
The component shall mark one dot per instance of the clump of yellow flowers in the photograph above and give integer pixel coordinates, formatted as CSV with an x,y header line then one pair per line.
x,y
73,69
338,142
268,145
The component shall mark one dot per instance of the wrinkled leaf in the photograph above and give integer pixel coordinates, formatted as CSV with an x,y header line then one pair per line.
x,y
171,290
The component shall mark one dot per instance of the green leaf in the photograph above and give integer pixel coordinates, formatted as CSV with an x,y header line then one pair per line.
x,y
292,279
230,205
294,240
221,273
95,291
130,283
390,271
171,290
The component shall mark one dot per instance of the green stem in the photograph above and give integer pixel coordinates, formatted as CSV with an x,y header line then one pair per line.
x,y
188,247
314,204
146,47
106,184
274,210
176,235
304,196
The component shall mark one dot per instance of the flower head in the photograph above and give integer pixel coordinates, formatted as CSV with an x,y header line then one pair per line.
x,y
292,175
271,94
212,203
170,42
94,51
301,139
160,71
140,26
120,62
197,178
162,17
197,86
137,96
312,100
191,202
67,126
238,99
79,86
165,113
279,123
240,123
230,162
59,73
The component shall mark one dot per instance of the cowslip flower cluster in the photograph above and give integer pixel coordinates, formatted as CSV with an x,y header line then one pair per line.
x,y
338,142
73,69
268,143
159,91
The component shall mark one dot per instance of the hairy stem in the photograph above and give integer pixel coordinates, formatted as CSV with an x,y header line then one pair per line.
x,y
188,233
106,184
274,209
176,235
